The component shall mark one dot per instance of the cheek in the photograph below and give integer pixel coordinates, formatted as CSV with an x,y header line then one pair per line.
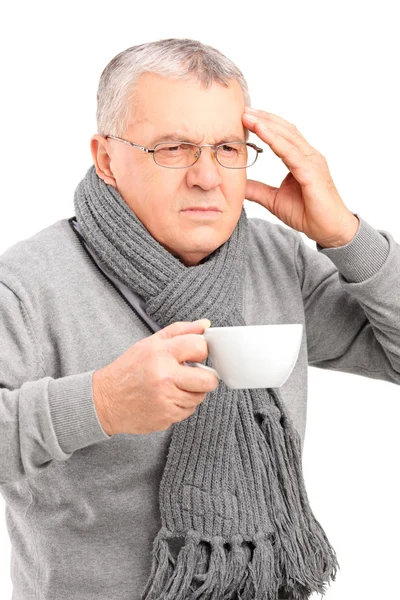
x,y
152,184
234,189
159,197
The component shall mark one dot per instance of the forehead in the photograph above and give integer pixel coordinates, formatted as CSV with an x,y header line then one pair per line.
x,y
161,105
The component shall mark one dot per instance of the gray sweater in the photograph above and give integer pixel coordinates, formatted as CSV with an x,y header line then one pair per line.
x,y
82,506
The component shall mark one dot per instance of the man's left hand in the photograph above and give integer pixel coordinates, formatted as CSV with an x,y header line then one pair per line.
x,y
307,199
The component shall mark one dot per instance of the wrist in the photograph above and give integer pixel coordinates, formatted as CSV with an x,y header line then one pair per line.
x,y
101,400
348,234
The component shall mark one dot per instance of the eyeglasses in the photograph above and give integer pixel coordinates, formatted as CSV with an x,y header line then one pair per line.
x,y
181,155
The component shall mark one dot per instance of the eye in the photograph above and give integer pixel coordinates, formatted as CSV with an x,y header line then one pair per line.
x,y
178,155
177,149
228,151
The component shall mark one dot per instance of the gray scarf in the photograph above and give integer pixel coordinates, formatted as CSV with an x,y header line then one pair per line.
x,y
232,488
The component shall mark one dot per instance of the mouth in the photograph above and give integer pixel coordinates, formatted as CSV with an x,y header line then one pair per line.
x,y
202,209
202,213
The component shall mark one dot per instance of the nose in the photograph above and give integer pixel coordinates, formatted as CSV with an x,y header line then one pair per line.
x,y
205,172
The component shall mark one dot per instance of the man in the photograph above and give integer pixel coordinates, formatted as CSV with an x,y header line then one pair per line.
x,y
126,472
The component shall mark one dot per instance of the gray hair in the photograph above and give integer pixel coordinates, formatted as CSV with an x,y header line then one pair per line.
x,y
175,58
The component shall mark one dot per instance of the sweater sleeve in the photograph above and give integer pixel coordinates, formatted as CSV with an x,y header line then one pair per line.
x,y
351,298
41,419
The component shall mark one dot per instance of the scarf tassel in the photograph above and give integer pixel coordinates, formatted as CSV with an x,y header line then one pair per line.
x,y
306,558
162,566
236,567
235,570
261,583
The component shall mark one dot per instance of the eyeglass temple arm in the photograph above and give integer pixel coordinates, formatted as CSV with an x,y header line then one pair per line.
x,y
255,147
113,137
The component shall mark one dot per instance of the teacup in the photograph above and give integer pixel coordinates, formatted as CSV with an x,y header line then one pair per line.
x,y
253,356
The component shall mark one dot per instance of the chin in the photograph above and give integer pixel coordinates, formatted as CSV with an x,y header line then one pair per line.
x,y
196,255
194,245
204,244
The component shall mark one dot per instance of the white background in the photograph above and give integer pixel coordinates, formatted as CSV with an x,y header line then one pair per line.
x,y
331,68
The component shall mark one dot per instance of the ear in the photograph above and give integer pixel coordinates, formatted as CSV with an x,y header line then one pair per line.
x,y
101,153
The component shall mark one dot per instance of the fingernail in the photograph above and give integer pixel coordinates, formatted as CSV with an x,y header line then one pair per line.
x,y
251,110
209,323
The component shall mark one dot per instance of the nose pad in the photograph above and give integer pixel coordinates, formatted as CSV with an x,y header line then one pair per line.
x,y
213,154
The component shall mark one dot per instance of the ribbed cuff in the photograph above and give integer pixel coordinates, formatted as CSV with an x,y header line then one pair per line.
x,y
361,258
73,412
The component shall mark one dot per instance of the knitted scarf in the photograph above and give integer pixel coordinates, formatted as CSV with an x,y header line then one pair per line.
x,y
232,490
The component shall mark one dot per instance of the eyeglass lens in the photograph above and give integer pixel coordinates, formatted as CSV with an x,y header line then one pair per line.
x,y
234,155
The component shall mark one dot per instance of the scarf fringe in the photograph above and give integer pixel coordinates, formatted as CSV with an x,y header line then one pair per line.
x,y
235,570
305,558
295,557
162,566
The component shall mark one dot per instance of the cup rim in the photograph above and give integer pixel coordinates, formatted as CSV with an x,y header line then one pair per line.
x,y
234,327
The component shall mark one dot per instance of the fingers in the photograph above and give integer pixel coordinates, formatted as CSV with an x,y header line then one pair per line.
x,y
284,139
268,118
190,346
265,121
182,327
285,131
193,384
263,194
195,380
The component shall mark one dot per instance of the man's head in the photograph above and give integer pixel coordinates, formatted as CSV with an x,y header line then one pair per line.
x,y
173,90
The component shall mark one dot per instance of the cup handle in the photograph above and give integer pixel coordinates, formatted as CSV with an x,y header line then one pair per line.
x,y
196,364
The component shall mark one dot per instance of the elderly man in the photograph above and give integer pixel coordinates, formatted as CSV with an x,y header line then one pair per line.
x,y
128,472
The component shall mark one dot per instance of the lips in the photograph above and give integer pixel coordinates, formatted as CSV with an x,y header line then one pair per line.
x,y
203,208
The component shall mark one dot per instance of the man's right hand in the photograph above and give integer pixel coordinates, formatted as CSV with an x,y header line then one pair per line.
x,y
148,388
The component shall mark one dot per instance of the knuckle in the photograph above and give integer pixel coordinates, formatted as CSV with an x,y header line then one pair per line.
x,y
179,325
161,379
295,152
166,381
175,325
316,154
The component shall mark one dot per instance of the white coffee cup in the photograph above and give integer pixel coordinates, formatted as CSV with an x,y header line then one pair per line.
x,y
253,356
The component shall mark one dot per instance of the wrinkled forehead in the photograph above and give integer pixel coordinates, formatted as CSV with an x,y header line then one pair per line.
x,y
161,105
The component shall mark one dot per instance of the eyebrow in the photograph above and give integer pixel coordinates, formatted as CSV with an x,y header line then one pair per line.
x,y
177,137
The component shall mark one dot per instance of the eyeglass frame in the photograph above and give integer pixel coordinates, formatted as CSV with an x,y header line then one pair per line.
x,y
152,151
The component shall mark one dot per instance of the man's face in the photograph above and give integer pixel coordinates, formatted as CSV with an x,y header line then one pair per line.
x,y
161,197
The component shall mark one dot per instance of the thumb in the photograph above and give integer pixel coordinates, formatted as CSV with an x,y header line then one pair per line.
x,y
261,193
182,328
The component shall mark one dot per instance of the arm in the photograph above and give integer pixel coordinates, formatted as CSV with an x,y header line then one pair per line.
x,y
41,419
351,298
